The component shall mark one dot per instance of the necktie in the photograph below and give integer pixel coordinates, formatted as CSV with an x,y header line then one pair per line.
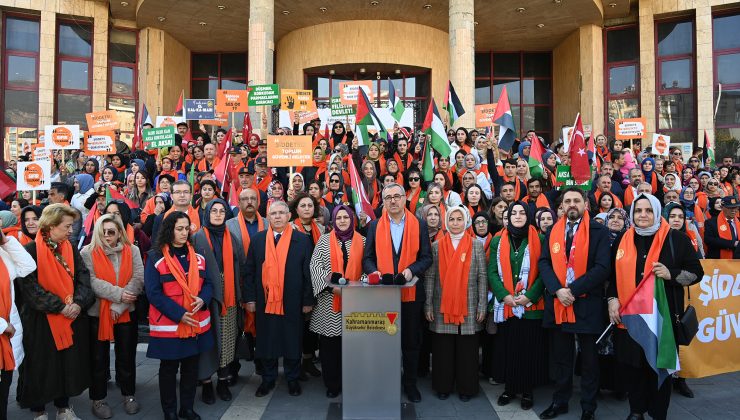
x,y
570,275
277,238
732,230
259,179
569,237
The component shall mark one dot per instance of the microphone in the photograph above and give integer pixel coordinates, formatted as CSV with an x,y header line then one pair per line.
x,y
373,278
387,279
336,278
399,279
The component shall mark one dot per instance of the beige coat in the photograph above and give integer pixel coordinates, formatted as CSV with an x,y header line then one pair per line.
x,y
105,290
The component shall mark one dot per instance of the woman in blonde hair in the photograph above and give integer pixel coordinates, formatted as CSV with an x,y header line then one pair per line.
x,y
117,279
55,322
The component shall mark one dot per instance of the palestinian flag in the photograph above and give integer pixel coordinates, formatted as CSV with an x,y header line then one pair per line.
x,y
648,320
435,130
394,102
427,167
708,153
536,153
359,196
452,104
178,108
111,194
366,114
503,117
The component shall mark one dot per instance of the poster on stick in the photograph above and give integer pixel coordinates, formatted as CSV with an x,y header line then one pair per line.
x,y
261,95
64,137
231,100
101,121
199,109
296,100
220,119
97,144
484,115
39,153
629,128
159,137
34,176
348,91
661,144
169,120
287,151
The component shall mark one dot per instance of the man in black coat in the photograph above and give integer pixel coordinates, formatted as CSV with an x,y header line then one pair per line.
x,y
585,294
394,200
728,226
280,335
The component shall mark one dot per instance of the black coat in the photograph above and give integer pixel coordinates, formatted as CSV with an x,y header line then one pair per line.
x,y
280,335
714,242
588,309
418,267
47,373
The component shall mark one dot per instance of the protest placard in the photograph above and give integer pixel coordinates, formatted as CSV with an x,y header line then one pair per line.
x,y
101,121
65,137
39,153
200,109
339,110
264,95
629,128
231,100
484,114
34,176
661,144
286,151
348,91
220,119
296,100
562,174
169,120
159,137
100,143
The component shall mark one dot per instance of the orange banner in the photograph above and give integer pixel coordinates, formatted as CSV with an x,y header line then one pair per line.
x,y
484,114
231,100
716,299
286,151
101,121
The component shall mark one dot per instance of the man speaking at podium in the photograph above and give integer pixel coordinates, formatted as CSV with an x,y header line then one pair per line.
x,y
398,246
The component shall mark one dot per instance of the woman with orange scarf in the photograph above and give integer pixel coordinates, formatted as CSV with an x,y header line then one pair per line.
x,y
455,307
514,278
648,248
179,292
55,322
224,256
337,255
117,279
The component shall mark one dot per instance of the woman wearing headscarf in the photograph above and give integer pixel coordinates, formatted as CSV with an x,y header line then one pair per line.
x,y
518,306
648,172
415,194
433,216
648,248
336,193
117,279
296,185
617,221
317,171
92,168
29,224
671,183
56,335
83,184
339,135
688,198
480,226
162,204
9,223
224,257
677,217
118,163
338,254
455,306
544,219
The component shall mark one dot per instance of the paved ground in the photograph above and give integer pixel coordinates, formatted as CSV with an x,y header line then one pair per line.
x,y
716,398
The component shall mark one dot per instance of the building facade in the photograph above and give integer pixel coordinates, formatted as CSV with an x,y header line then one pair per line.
x,y
674,62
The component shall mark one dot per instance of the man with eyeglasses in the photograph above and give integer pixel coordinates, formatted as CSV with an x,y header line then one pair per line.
x,y
278,290
182,196
398,244
248,221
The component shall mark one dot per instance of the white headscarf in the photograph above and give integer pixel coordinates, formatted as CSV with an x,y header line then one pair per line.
x,y
657,218
466,218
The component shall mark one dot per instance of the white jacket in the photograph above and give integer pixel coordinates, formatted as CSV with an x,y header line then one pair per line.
x,y
19,264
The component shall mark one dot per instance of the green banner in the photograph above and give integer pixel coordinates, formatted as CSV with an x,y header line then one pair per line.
x,y
264,95
339,110
159,137
563,175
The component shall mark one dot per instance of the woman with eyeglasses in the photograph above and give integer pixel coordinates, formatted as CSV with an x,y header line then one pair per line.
x,y
479,225
224,261
713,189
117,279
336,193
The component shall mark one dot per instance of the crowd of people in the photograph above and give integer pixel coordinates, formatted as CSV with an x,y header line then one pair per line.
x,y
516,273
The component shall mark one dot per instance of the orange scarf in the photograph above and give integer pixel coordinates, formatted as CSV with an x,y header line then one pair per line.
x,y
629,195
54,278
246,240
410,247
24,239
104,271
723,227
540,202
353,270
273,270
617,202
454,269
130,233
315,233
192,214
627,258
577,261
535,248
227,253
6,348
413,199
190,285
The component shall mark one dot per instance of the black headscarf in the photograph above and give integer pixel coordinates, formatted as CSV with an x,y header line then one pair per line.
x,y
37,211
519,232
217,231
477,216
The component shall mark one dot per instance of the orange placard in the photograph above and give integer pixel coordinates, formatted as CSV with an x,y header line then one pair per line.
x,y
221,119
348,91
33,175
286,151
296,100
484,115
310,115
101,121
661,144
630,128
100,143
231,100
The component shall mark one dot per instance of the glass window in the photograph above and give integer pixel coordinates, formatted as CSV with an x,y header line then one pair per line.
x,y
233,84
21,71
482,64
536,118
727,141
622,108
75,39
335,85
676,74
122,46
74,75
21,108
410,86
126,112
728,111
675,38
506,65
512,89
204,89
234,65
537,65
205,65
536,91
122,81
21,35
319,86
728,69
622,44
422,86
482,92
726,32
71,109
676,111
622,80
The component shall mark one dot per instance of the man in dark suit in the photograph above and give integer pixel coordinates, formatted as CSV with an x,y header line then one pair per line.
x,y
574,300
279,304
721,232
390,240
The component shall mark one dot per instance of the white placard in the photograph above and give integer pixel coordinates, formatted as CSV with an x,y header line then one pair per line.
x,y
384,114
34,176
64,137
661,144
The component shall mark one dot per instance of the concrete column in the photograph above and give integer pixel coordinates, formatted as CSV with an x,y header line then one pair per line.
x,y
261,46
100,57
47,67
647,67
462,58
592,76
704,73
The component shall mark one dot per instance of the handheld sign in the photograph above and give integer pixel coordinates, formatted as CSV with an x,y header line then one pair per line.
x,y
159,137
231,100
100,143
101,121
349,91
286,151
199,109
39,153
296,100
339,110
64,137
562,174
169,120
34,176
264,95
220,119
661,144
629,128
484,115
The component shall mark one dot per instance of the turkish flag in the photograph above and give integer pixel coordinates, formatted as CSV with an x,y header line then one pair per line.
x,y
579,167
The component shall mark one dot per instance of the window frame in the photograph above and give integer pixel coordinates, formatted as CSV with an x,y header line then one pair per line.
x,y
58,90
715,55
616,64
218,79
